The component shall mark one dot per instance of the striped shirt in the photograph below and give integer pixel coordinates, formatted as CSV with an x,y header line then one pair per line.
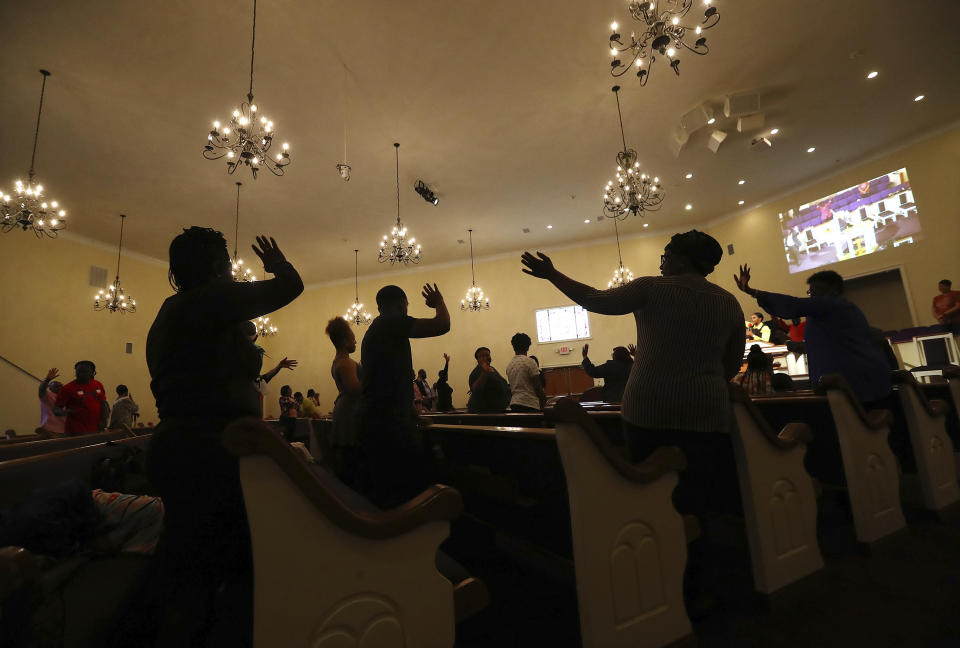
x,y
690,340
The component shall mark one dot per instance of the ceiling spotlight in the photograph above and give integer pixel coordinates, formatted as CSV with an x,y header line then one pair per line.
x,y
425,192
774,131
646,224
712,120
688,207
741,181
811,149
873,75
586,220
740,203
688,176
549,226
918,98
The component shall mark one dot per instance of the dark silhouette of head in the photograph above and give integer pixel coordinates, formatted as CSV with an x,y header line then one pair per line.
x,y
250,330
197,256
621,354
391,300
85,371
122,390
945,285
285,390
757,360
298,396
482,353
311,392
520,343
825,283
341,335
691,251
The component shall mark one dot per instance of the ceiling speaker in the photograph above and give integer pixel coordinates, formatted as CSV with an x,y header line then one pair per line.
x,y
750,122
743,103
760,144
696,118
678,139
716,139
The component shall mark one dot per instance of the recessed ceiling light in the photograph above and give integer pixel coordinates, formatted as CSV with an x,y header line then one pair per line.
x,y
688,176
711,120
741,181
774,131
740,203
549,226
586,220
873,75
646,224
918,98
688,207
811,149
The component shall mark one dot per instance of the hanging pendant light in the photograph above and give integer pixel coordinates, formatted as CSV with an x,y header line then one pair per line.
x,y
249,136
356,312
634,192
397,248
475,300
621,275
264,327
28,209
238,270
343,168
113,299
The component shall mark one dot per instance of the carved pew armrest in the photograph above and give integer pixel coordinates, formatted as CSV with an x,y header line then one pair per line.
x,y
873,419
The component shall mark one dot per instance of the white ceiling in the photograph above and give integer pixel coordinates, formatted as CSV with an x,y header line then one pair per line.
x,y
503,107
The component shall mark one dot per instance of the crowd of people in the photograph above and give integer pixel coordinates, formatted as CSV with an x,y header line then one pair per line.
x,y
80,406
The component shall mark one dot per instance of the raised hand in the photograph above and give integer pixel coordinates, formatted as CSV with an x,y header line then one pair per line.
x,y
52,374
743,279
586,349
539,266
287,364
446,358
632,350
269,252
432,296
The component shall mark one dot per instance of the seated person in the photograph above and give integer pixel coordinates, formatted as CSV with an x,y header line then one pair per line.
x,y
308,407
442,387
396,464
757,378
83,401
50,423
756,329
289,412
124,410
837,335
782,382
523,373
614,372
779,334
423,396
489,392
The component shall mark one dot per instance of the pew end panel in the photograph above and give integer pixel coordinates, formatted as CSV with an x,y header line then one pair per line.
x,y
779,500
628,540
329,568
934,452
869,465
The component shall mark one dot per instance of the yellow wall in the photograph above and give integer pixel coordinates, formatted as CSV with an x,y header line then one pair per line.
x,y
49,320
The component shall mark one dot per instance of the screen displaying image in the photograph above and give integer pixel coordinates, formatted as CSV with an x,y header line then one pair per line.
x,y
877,214
564,323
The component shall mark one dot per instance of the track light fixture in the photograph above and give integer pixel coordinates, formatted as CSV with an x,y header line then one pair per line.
x,y
425,192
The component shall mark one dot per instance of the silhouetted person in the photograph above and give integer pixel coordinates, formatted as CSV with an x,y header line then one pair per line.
x,y
50,423
757,378
83,401
203,367
395,464
523,374
442,387
489,391
124,411
946,306
345,432
615,372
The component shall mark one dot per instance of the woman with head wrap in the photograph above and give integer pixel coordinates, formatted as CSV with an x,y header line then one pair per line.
x,y
757,378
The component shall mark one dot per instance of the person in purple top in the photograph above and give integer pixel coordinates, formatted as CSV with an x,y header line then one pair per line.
x,y
837,335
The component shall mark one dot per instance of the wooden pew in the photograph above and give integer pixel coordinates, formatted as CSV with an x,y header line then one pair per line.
x,y
779,501
932,448
329,568
870,468
22,476
629,543
31,448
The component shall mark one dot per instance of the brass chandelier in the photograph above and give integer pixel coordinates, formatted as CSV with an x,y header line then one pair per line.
x,y
397,248
249,136
28,209
264,327
662,33
634,192
112,299
475,300
356,312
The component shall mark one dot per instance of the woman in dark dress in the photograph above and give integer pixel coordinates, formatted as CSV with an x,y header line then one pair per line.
x,y
202,368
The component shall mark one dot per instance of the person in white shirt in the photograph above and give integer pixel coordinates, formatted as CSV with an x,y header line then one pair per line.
x,y
523,373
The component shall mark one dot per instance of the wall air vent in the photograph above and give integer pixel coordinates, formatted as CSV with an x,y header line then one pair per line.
x,y
98,277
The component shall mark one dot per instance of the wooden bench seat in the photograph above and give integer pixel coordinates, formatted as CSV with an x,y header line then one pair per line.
x,y
932,448
41,446
329,568
779,501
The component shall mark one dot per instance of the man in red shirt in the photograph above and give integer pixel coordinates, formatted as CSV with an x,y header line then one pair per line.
x,y
946,306
83,401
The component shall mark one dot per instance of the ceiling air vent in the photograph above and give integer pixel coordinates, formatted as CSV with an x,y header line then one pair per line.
x,y
98,277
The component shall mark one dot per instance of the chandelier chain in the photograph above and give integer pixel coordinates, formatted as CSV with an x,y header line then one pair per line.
x,y
396,148
36,132
473,276
236,227
623,138
123,217
616,231
253,43
356,274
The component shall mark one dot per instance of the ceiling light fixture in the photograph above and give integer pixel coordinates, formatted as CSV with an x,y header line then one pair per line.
x,y
264,327
774,131
635,192
425,192
811,149
621,275
741,181
688,176
549,226
586,220
399,249
918,98
660,32
475,300
356,312
247,140
740,203
237,269
112,299
873,75
688,206
28,210
712,120
343,168
646,224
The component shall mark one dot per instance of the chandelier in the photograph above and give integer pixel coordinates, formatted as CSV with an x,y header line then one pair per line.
x,y
356,313
474,301
28,210
634,192
397,248
264,327
621,275
112,299
248,137
662,33
238,271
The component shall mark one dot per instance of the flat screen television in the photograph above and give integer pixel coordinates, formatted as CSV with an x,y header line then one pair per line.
x,y
872,216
